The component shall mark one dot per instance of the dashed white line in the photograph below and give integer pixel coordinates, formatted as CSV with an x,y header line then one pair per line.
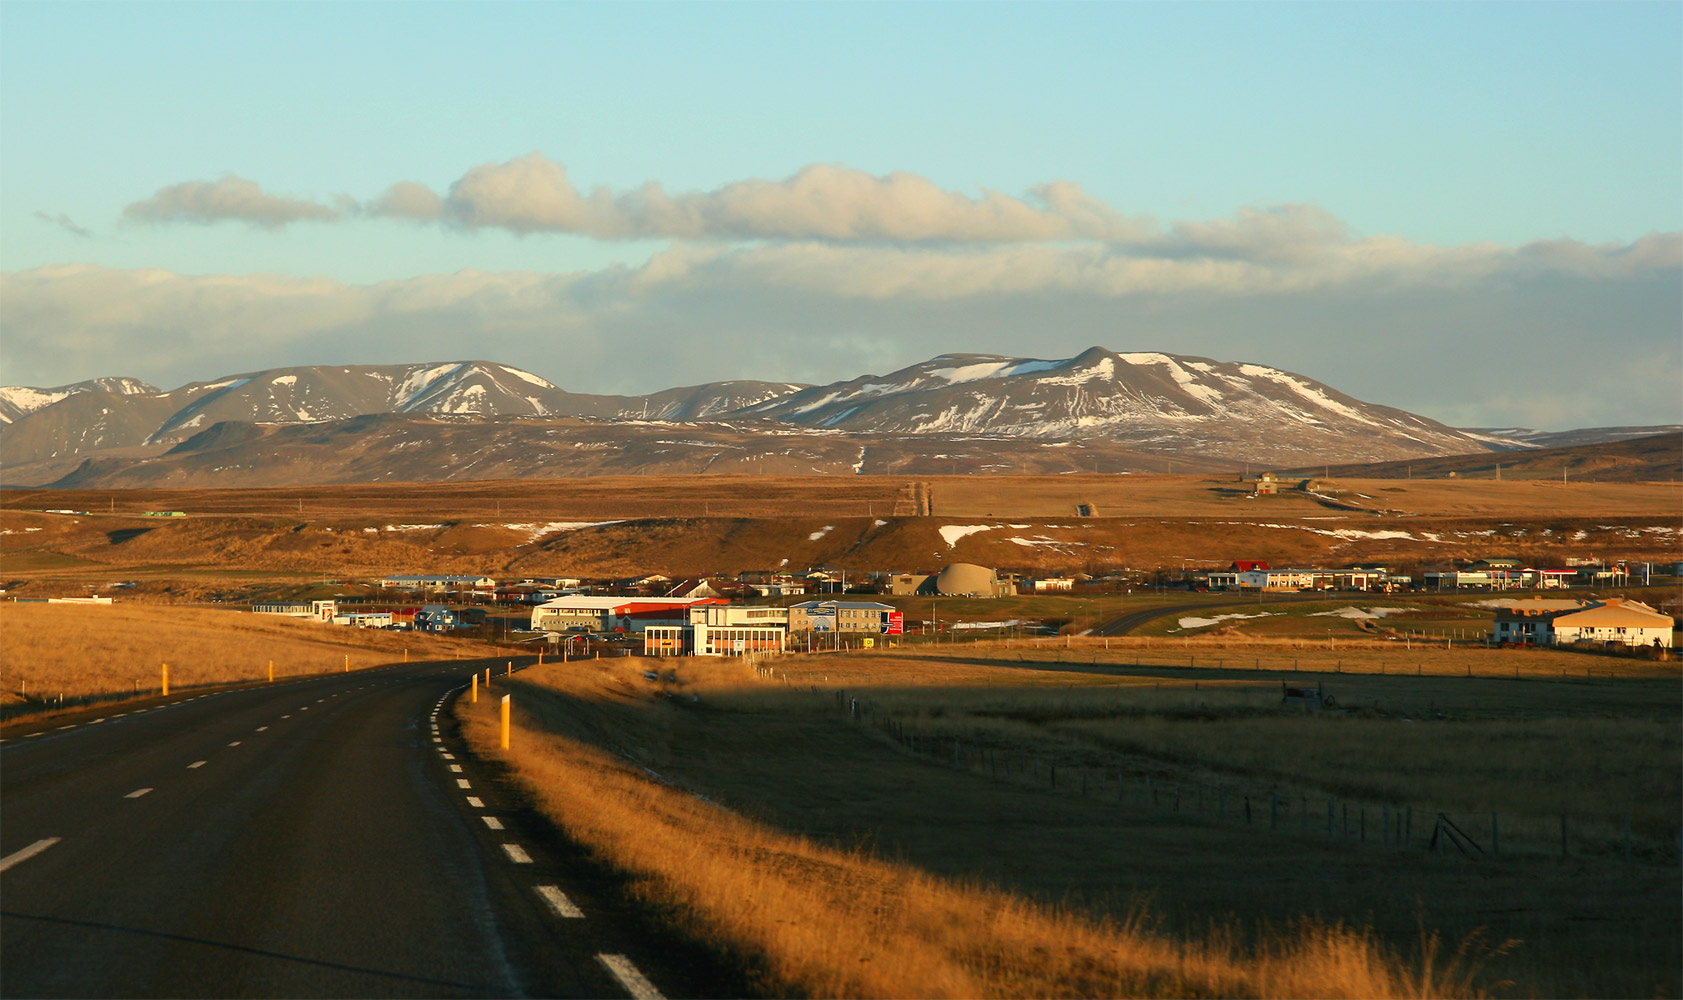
x,y
96,721
32,735
137,793
633,981
28,852
235,743
517,854
197,763
288,716
492,822
261,728
475,801
446,756
455,769
67,727
558,902
463,783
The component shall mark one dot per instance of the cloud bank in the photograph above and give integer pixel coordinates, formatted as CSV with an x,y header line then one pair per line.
x,y
229,199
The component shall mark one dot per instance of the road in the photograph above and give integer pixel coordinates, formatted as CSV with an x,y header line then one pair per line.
x,y
318,838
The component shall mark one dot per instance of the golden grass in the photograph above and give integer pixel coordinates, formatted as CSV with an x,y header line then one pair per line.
x,y
605,497
826,922
82,650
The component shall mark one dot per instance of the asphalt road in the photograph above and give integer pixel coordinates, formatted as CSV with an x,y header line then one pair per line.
x,y
315,838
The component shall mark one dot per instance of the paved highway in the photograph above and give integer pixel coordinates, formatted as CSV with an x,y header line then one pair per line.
x,y
316,838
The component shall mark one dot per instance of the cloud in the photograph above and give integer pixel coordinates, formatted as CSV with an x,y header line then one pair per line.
x,y
1590,330
230,199
64,222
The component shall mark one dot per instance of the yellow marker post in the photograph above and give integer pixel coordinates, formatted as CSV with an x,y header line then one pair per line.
x,y
505,721
271,671
475,699
540,657
166,680
406,656
487,678
347,663
511,668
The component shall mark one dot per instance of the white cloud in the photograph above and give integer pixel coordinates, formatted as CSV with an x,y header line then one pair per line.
x,y
228,199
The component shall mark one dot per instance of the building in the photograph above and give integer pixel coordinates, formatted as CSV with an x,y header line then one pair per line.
x,y
365,619
1617,621
436,618
1545,623
437,583
321,611
1051,585
1267,485
970,580
905,584
720,630
868,617
585,613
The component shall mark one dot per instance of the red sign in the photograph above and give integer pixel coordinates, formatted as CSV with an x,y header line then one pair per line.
x,y
896,624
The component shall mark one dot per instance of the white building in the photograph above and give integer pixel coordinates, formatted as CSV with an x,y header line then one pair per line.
x,y
721,630
584,613
1544,623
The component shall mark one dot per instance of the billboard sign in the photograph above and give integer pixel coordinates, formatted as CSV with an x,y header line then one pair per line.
x,y
895,624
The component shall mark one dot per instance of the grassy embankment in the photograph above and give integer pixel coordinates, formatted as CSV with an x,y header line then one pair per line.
x,y
82,651
1003,885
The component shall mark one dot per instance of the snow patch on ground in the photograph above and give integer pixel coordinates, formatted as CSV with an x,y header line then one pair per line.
x,y
821,532
284,380
879,522
1367,614
1206,622
951,533
414,527
535,531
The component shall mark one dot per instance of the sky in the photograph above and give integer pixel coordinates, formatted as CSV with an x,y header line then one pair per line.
x,y
1469,211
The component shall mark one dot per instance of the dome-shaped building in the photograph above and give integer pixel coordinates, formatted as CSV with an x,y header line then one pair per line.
x,y
967,580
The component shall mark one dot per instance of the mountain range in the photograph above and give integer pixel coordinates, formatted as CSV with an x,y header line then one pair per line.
x,y
1123,410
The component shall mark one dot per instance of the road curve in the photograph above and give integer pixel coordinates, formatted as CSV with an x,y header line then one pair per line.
x,y
318,838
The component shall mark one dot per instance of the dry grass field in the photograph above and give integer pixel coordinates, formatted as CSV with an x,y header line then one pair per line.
x,y
1040,497
81,651
1022,821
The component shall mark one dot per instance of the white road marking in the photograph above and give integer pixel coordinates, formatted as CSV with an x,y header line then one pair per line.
x,y
137,793
33,735
67,727
119,715
96,722
438,739
492,822
286,716
558,902
475,801
446,756
517,854
27,853
261,728
456,768
197,763
235,743
633,981
463,783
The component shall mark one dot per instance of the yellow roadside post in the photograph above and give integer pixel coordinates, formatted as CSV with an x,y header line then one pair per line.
x,y
166,681
505,721
511,668
406,654
475,698
271,671
347,663
487,678
540,657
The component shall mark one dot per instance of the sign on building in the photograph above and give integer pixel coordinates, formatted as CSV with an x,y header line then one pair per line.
x,y
894,624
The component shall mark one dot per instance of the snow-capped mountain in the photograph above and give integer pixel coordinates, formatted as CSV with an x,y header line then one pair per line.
x,y
20,400
1151,400
122,413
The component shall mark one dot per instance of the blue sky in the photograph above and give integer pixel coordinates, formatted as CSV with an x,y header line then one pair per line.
x,y
1448,140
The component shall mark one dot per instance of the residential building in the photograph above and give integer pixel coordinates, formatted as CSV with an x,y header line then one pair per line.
x,y
1545,623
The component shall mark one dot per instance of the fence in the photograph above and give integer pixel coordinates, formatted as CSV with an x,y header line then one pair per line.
x,y
1381,825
